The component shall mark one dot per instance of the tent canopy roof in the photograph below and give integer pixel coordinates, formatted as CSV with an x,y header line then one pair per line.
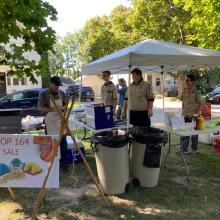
x,y
150,55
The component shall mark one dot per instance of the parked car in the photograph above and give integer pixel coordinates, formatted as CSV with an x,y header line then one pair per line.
x,y
27,100
213,96
86,92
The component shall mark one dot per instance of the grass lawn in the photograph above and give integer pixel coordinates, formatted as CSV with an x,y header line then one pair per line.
x,y
172,199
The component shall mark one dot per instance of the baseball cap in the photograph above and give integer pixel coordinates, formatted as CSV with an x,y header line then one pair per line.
x,y
56,80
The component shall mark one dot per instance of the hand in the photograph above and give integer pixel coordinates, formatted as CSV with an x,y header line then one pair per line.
x,y
123,112
150,113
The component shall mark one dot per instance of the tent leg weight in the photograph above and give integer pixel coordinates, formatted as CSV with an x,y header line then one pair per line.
x,y
127,187
136,182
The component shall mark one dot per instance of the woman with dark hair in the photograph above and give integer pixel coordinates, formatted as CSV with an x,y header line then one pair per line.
x,y
122,88
141,100
191,104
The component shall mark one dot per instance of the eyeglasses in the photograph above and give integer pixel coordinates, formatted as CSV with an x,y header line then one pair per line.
x,y
187,80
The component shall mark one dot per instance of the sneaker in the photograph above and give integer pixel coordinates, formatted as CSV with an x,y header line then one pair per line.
x,y
184,152
195,151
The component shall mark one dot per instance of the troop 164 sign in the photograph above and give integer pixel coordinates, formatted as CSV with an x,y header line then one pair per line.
x,y
24,161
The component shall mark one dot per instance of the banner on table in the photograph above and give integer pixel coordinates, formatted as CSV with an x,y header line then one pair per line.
x,y
24,161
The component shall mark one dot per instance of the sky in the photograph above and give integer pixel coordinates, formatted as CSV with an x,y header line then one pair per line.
x,y
72,14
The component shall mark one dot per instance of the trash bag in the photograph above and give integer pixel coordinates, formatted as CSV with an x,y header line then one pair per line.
x,y
152,155
113,139
146,135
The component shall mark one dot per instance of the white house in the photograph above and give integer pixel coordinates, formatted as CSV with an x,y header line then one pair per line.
x,y
92,80
11,84
154,79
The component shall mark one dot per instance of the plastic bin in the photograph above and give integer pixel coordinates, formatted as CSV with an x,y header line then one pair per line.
x,y
145,155
112,161
10,121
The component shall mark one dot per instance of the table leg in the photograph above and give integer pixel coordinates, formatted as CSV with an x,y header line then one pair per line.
x,y
185,165
168,152
84,133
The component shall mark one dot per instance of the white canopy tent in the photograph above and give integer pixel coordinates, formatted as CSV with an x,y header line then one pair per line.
x,y
153,56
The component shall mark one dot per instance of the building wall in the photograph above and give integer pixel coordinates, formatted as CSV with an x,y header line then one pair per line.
x,y
13,84
145,76
94,81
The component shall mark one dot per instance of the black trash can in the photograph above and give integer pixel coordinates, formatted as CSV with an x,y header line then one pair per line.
x,y
112,161
145,155
10,121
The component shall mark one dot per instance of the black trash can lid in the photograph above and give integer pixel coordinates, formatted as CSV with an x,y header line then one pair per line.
x,y
113,139
146,135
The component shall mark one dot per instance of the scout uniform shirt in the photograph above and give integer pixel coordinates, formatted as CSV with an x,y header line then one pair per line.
x,y
141,94
191,98
108,93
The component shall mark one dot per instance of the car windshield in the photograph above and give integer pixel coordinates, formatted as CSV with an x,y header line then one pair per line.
x,y
87,89
6,98
217,90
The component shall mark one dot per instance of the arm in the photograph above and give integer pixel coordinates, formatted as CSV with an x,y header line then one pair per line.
x,y
199,102
102,94
115,96
43,103
150,100
125,104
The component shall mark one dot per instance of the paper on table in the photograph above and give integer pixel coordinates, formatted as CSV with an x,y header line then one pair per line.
x,y
178,122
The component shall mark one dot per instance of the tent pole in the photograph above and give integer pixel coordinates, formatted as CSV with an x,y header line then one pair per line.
x,y
129,100
162,74
80,90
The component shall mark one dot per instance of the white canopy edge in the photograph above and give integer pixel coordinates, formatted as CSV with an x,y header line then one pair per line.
x,y
151,55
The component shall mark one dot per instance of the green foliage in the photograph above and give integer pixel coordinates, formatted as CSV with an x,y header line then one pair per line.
x,y
192,22
56,59
204,22
27,21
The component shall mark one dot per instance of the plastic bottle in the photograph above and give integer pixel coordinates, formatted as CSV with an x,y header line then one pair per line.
x,y
200,122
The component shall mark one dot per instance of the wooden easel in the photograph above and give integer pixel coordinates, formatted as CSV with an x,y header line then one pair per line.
x,y
82,156
64,125
12,193
64,121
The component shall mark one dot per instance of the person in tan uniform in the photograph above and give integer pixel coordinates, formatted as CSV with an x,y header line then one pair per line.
x,y
109,94
191,104
141,103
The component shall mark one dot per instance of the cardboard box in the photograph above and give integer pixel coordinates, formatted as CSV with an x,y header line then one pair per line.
x,y
99,117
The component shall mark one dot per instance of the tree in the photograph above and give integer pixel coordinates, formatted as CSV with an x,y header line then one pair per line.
x,y
159,19
204,22
27,21
57,59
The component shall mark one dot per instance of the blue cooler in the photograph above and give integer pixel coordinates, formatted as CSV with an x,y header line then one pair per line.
x,y
99,117
72,152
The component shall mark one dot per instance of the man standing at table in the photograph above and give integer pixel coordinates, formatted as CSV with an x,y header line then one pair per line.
x,y
191,104
141,100
52,117
109,94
